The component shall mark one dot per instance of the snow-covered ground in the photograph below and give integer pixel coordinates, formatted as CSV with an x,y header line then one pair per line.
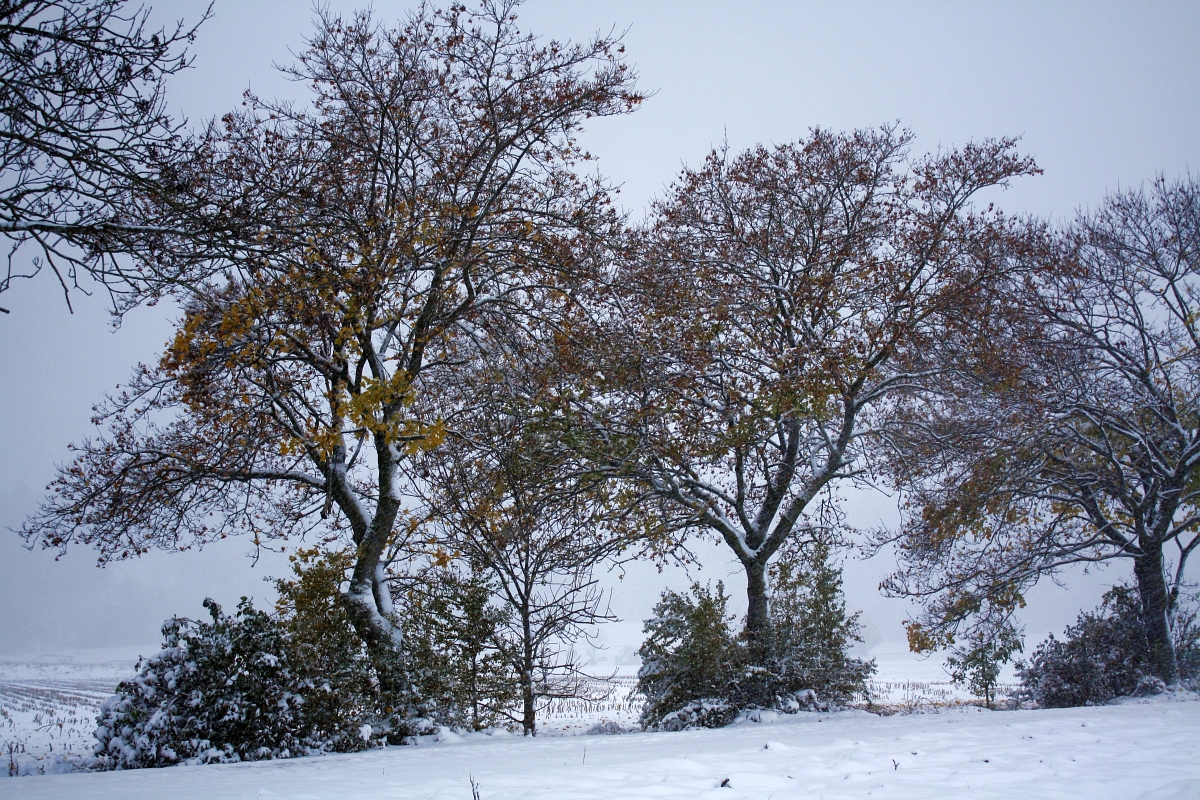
x,y
48,706
1143,750
1138,749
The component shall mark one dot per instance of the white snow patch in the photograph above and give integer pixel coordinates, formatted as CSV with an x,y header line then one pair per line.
x,y
1136,748
1145,750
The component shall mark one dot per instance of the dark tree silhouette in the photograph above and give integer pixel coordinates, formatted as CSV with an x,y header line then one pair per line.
x,y
84,130
1082,443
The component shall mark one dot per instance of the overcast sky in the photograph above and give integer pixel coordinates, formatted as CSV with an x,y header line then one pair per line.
x,y
1104,95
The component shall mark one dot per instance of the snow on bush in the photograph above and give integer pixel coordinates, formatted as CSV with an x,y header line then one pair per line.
x,y
813,633
253,686
1104,655
220,691
696,672
458,662
687,659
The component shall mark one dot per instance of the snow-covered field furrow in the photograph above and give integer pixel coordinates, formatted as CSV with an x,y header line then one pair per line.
x,y
48,708
1136,750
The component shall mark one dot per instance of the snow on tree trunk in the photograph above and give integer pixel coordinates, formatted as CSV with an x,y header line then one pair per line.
x,y
1156,612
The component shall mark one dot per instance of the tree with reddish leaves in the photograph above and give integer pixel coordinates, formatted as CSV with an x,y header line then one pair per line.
x,y
1079,442
429,193
775,310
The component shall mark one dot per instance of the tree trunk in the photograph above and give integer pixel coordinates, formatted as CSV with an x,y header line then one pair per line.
x,y
528,704
528,700
475,692
380,637
758,611
1156,611
528,708
369,605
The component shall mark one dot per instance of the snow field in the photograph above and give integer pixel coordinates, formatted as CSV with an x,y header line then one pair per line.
x,y
47,721
48,713
622,704
1136,750
48,709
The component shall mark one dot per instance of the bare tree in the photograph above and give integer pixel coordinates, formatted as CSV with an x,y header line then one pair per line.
x,y
84,128
427,195
1082,443
508,490
777,307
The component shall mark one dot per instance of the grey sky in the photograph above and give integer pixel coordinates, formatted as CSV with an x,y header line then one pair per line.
x,y
1104,95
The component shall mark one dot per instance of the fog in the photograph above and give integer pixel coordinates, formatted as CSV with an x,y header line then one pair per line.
x,y
1105,96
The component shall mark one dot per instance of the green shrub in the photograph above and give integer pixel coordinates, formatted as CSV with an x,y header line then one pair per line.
x,y
1105,654
812,633
226,690
456,663
978,662
688,659
255,686
696,672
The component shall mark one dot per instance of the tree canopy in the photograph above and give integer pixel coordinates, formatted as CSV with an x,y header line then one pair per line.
x,y
767,319
85,131
428,192
1082,443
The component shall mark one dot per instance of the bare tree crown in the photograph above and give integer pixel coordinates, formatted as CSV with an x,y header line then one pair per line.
x,y
83,127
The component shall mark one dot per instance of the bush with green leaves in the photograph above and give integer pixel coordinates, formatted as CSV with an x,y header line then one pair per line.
x,y
812,632
688,659
219,691
1104,655
697,672
457,663
255,685
329,656
978,661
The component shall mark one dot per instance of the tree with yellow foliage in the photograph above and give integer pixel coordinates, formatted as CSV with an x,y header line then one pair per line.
x,y
427,194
